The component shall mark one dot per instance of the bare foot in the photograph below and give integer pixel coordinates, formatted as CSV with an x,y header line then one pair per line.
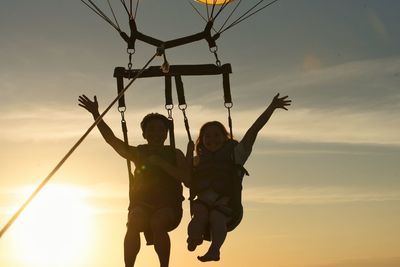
x,y
209,256
193,243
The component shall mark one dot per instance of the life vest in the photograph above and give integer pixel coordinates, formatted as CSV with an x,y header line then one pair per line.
x,y
218,171
151,185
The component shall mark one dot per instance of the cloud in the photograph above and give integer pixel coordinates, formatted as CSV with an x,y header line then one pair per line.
x,y
367,262
104,200
46,123
338,126
357,85
354,103
40,124
297,125
315,195
313,125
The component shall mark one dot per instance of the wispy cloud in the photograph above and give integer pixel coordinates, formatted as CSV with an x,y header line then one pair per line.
x,y
367,262
338,126
357,102
297,125
106,198
113,197
314,125
360,86
315,195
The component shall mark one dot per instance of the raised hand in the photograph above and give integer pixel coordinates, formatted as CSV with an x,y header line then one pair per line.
x,y
89,105
281,102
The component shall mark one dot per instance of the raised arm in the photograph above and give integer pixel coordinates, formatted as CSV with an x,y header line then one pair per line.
x,y
105,130
251,134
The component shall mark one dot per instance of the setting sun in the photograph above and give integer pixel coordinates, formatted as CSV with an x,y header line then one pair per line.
x,y
55,229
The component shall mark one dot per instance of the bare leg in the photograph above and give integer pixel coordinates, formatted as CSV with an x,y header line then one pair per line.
x,y
160,222
162,245
131,247
136,224
218,223
197,226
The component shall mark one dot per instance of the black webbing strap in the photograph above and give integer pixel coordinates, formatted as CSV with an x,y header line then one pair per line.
x,y
179,90
126,141
118,73
122,109
227,90
168,93
182,103
227,98
228,105
128,162
169,105
171,133
174,70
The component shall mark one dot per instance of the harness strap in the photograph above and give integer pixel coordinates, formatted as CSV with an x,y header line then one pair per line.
x,y
171,133
182,103
227,90
128,162
168,93
122,109
179,90
120,86
228,105
169,106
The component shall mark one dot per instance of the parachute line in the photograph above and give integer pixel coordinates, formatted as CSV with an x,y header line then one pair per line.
x,y
126,8
197,11
104,16
246,15
208,12
221,9
136,9
213,8
230,15
101,14
201,15
115,18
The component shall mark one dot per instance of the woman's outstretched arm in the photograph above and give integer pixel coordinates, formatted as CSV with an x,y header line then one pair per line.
x,y
251,134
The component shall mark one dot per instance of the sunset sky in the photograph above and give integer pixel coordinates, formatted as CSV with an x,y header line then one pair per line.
x,y
324,184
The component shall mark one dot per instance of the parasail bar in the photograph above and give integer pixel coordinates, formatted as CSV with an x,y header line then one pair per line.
x,y
174,70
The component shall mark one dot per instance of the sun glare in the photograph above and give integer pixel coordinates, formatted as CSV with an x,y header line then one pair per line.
x,y
55,229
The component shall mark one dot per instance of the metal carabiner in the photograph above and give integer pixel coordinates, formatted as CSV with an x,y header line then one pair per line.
x,y
122,111
130,52
169,110
182,107
228,105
